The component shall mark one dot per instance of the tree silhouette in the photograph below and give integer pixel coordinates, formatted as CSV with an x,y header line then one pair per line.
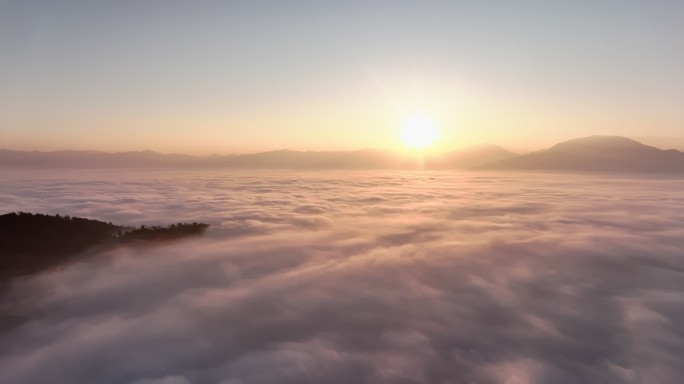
x,y
30,243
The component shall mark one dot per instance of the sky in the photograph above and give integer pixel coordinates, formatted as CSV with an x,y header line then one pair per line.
x,y
238,76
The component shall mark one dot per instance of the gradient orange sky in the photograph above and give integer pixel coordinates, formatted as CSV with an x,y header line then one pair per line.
x,y
239,76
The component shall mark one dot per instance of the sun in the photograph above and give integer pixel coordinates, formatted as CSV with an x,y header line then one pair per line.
x,y
419,131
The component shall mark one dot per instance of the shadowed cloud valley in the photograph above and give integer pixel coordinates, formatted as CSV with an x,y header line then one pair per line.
x,y
378,277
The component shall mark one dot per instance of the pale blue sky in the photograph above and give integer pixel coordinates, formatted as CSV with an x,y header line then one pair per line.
x,y
231,76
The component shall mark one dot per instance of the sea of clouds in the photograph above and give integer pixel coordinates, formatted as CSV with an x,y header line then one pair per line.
x,y
359,277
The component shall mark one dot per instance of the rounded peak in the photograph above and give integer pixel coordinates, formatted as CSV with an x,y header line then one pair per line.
x,y
599,141
616,147
482,148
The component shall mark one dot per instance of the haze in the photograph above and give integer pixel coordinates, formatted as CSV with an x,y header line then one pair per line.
x,y
361,277
206,77
343,192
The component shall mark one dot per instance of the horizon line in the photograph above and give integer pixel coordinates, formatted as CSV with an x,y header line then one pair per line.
x,y
403,150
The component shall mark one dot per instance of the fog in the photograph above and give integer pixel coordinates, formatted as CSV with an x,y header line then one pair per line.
x,y
357,277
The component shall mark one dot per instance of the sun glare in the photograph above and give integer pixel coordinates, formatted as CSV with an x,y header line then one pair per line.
x,y
419,131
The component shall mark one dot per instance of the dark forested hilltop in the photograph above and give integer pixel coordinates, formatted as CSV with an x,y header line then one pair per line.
x,y
31,243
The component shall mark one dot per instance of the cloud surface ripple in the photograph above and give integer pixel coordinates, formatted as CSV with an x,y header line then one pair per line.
x,y
360,277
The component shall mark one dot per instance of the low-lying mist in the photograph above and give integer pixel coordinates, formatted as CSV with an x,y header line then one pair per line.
x,y
357,277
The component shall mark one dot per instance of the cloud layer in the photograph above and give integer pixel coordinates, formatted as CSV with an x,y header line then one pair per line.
x,y
357,278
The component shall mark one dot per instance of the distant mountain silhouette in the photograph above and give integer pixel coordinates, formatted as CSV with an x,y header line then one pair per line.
x,y
280,159
287,159
596,153
93,159
593,153
31,243
476,156
672,142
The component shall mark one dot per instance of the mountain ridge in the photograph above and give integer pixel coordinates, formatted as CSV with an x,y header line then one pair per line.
x,y
279,159
595,153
